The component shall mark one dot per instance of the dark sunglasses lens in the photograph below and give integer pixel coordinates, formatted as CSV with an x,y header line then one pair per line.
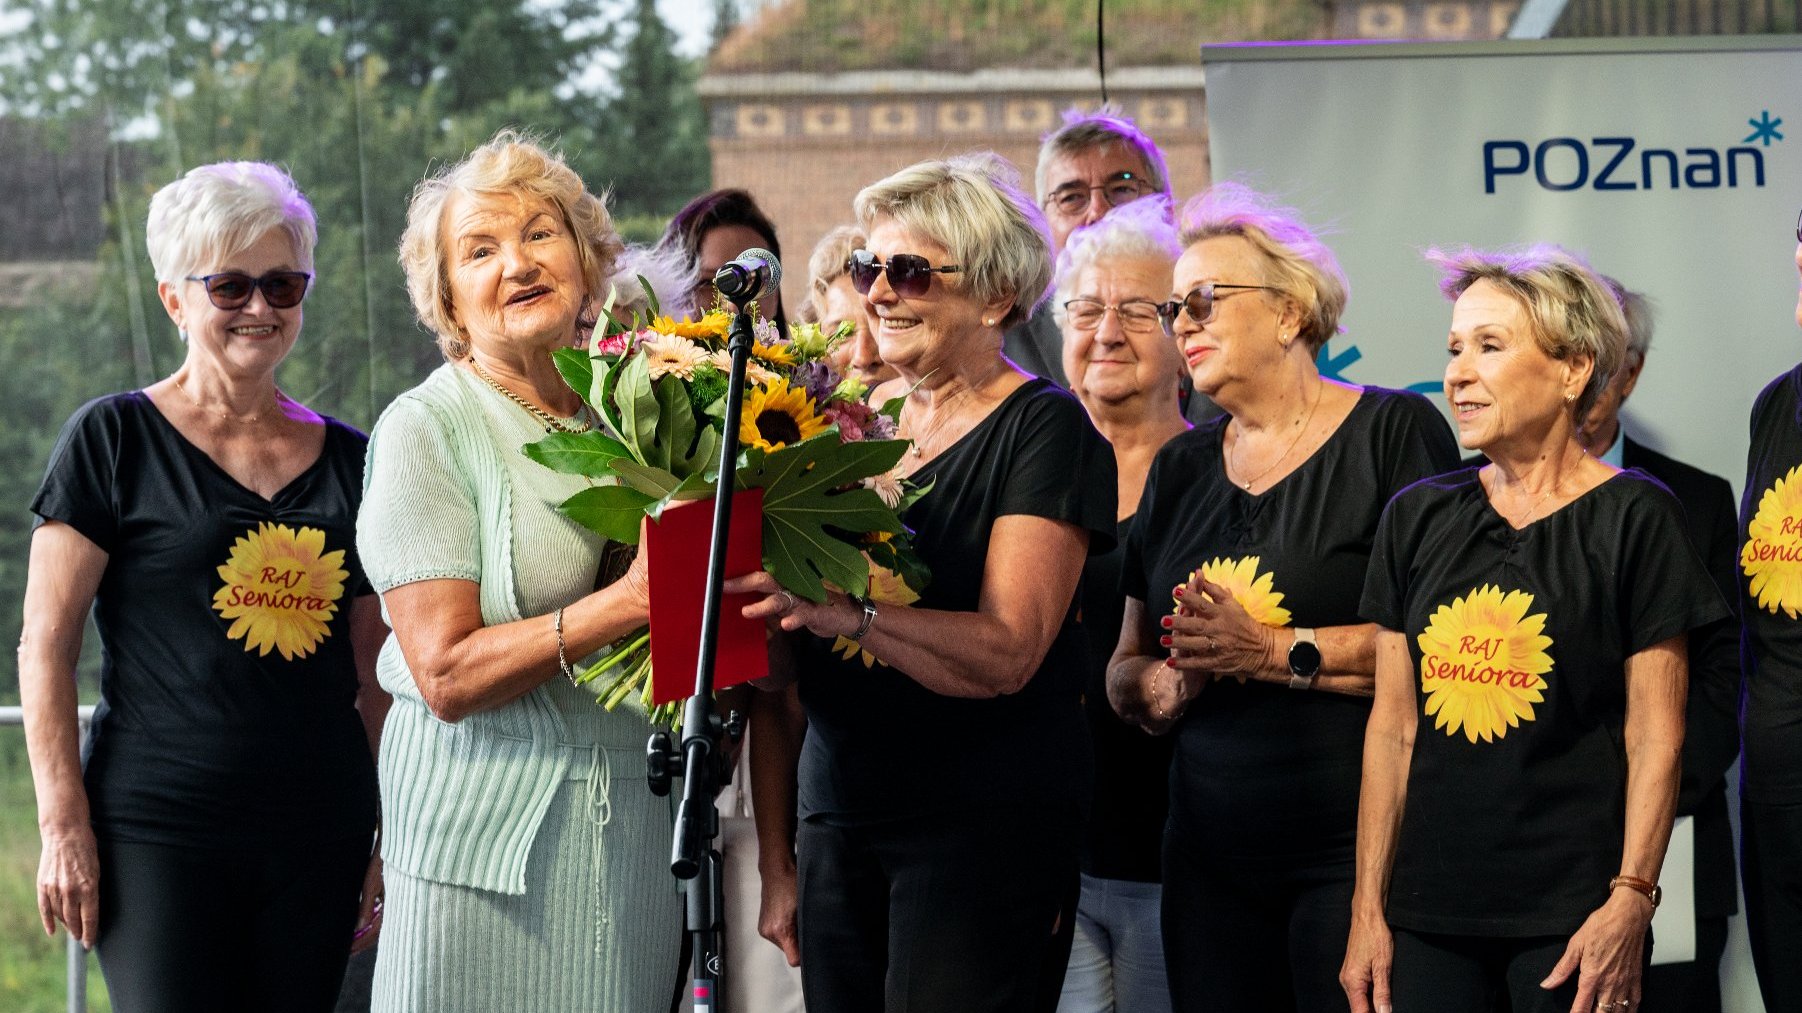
x,y
1199,304
909,275
863,270
229,291
284,290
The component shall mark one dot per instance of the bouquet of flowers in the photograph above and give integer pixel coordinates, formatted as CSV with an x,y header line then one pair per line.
x,y
824,458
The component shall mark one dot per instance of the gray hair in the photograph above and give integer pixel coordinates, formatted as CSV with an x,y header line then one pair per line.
x,y
1297,264
1103,128
1636,307
222,209
973,206
827,263
1570,310
1140,229
511,163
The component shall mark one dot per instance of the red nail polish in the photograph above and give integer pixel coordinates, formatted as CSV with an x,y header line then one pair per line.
x,y
1178,593
1164,641
1168,621
1169,662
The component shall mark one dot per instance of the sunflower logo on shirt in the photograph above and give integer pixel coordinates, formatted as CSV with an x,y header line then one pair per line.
x,y
1772,556
1483,663
1253,591
281,590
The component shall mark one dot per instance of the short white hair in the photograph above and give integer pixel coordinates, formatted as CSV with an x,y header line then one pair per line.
x,y
218,211
1142,228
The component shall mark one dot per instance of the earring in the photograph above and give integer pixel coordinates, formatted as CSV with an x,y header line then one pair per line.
x,y
182,334
1570,399
990,322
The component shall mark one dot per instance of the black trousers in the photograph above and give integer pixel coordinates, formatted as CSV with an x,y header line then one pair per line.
x,y
1255,934
1770,846
194,930
1477,974
968,913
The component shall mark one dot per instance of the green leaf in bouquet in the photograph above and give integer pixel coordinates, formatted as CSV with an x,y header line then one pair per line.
x,y
654,482
892,408
590,454
612,511
674,435
899,558
577,369
650,296
694,487
805,493
638,410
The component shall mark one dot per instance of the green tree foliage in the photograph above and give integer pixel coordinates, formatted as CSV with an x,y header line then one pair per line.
x,y
652,136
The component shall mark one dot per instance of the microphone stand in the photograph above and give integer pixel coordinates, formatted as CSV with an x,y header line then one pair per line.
x,y
701,762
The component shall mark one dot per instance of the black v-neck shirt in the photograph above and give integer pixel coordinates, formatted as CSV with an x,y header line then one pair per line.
x,y
227,682
1516,803
880,745
1262,770
1770,582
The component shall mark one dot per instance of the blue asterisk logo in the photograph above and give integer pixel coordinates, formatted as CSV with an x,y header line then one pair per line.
x,y
1764,128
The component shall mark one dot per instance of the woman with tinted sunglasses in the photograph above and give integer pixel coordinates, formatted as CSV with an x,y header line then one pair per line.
x,y
1241,634
942,784
218,841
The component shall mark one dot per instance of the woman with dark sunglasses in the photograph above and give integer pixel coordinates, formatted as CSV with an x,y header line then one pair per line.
x,y
1257,526
1770,565
217,840
942,783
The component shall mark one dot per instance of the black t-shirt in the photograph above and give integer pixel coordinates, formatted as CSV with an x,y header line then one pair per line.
x,y
227,686
1262,770
1516,805
1770,573
879,744
1132,769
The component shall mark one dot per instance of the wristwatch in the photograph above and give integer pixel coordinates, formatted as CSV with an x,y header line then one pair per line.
x,y
1304,659
1644,887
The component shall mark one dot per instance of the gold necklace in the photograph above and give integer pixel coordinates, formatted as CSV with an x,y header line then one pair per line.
x,y
243,420
1299,433
1581,454
551,423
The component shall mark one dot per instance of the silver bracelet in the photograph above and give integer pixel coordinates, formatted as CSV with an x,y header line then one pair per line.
x,y
869,616
562,657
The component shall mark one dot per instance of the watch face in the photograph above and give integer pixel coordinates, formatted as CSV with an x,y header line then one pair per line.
x,y
1304,659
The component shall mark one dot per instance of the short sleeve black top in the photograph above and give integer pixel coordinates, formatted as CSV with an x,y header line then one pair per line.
x,y
227,685
1262,770
1516,805
1132,769
1770,573
880,745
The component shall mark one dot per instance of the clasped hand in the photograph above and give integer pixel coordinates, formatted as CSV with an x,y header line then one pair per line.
x,y
1211,634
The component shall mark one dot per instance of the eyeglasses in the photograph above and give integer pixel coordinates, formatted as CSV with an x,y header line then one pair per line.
x,y
1135,315
1199,304
231,290
909,275
1073,199
1799,226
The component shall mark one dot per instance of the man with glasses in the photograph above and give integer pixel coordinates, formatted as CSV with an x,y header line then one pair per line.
x,y
1092,164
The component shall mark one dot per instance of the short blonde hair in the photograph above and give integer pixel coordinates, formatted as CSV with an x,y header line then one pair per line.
x,y
222,209
1139,229
828,262
973,206
1296,263
511,163
1570,309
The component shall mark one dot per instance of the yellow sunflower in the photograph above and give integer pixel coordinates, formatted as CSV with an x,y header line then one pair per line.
x,y
1772,557
777,415
1483,663
281,589
775,354
711,327
1252,590
885,587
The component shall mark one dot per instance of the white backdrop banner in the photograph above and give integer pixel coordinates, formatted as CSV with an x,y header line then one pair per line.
x,y
1673,164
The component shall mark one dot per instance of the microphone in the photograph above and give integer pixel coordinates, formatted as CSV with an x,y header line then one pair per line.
x,y
753,275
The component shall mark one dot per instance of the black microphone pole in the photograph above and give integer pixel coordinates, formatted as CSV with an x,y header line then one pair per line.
x,y
701,762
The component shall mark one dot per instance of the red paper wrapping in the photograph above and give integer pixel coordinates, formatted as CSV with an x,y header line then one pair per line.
x,y
677,546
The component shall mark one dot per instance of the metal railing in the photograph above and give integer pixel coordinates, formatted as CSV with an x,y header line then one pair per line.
x,y
75,958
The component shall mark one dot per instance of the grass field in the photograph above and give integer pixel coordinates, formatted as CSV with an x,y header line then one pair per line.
x,y
31,963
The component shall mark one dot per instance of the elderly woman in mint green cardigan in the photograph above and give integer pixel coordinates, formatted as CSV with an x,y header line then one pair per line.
x,y
526,859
